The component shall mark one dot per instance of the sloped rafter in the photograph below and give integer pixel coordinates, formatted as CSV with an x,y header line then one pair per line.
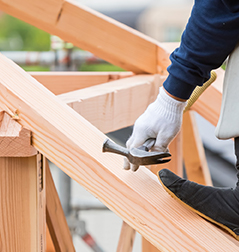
x,y
92,31
74,145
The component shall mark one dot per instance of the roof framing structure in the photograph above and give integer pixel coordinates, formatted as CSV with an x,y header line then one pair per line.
x,y
74,145
73,139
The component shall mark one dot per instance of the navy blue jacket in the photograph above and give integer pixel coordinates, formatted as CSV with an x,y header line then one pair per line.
x,y
210,36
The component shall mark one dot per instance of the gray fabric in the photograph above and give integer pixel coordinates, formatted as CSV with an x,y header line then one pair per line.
x,y
228,123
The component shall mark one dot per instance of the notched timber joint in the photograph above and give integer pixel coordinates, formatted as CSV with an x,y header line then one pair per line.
x,y
59,14
15,141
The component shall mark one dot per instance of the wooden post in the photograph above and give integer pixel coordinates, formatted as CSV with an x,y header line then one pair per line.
x,y
22,190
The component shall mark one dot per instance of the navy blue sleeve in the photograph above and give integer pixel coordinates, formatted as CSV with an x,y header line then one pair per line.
x,y
210,36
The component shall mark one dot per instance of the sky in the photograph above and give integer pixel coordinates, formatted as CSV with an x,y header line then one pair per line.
x,y
126,4
113,4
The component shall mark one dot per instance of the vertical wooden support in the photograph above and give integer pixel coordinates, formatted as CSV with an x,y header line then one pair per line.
x,y
175,165
193,152
22,190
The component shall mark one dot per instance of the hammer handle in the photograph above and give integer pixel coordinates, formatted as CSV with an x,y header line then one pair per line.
x,y
148,144
110,146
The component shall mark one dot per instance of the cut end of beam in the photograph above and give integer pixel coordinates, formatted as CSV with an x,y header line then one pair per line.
x,y
15,141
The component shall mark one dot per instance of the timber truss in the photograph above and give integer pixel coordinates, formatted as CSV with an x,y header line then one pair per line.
x,y
64,117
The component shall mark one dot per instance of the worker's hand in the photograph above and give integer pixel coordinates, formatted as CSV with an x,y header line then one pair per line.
x,y
162,120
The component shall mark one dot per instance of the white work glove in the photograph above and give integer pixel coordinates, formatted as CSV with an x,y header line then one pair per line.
x,y
162,120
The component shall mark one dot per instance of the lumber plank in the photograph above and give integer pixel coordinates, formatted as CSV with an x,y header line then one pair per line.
x,y
92,31
193,152
64,82
75,146
101,35
22,205
126,240
56,220
117,104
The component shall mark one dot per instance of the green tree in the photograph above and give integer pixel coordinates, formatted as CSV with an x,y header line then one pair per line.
x,y
18,35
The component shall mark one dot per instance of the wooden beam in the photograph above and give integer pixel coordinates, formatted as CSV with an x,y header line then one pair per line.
x,y
193,152
64,82
75,146
22,193
115,105
92,31
56,220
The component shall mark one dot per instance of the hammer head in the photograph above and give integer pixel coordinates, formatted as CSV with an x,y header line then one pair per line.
x,y
137,156
141,157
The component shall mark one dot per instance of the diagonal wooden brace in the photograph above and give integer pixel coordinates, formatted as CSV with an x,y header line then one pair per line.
x,y
55,218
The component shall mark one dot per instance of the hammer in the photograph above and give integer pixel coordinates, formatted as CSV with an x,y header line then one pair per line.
x,y
141,155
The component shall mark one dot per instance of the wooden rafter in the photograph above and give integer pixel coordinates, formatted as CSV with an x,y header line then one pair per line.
x,y
92,31
75,146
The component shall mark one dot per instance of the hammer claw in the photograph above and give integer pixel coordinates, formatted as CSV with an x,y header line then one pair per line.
x,y
137,156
